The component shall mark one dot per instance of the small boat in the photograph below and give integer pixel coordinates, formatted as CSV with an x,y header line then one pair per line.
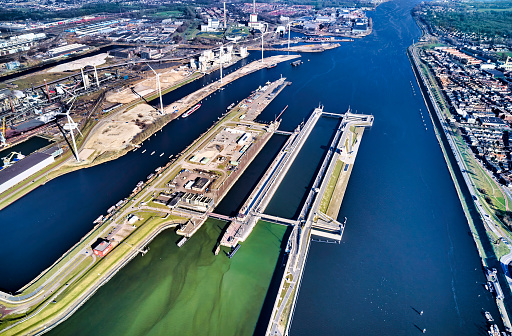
x,y
182,241
161,154
494,330
271,66
153,152
144,151
192,110
488,316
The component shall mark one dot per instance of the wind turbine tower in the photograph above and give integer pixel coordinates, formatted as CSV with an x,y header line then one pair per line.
x,y
70,126
221,60
225,22
96,76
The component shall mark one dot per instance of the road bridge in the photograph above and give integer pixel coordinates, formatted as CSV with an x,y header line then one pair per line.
x,y
283,132
277,220
219,216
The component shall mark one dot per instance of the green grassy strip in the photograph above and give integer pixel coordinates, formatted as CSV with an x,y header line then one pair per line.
x,y
90,279
326,197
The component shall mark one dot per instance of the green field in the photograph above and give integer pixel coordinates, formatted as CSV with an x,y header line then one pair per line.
x,y
326,197
166,14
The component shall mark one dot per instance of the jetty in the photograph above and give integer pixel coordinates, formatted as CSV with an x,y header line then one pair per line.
x,y
318,216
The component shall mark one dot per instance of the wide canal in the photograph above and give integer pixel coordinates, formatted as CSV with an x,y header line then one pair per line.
x,y
406,246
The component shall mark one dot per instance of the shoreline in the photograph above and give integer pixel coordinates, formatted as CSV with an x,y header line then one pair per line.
x,y
436,122
193,98
54,285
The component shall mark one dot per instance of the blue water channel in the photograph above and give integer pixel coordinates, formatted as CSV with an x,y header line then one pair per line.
x,y
63,210
406,246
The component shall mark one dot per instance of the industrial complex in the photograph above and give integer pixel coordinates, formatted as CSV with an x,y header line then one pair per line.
x,y
99,105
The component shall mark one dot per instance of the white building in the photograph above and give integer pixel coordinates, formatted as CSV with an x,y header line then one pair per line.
x,y
212,26
23,169
19,43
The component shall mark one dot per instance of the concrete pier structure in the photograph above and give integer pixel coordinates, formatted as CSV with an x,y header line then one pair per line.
x,y
257,202
326,194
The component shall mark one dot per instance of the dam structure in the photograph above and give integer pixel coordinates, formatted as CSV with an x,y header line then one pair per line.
x,y
318,217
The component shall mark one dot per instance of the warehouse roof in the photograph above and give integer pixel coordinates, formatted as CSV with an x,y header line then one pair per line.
x,y
492,120
102,245
21,166
200,182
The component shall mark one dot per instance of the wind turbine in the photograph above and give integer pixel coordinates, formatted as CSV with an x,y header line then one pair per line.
x,y
159,88
70,126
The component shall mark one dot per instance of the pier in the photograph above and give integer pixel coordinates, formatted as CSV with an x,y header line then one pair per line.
x,y
325,196
319,212
251,211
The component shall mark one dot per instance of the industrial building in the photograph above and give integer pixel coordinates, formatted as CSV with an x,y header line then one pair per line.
x,y
196,202
67,49
200,184
97,28
122,52
101,247
19,43
212,26
12,175
171,200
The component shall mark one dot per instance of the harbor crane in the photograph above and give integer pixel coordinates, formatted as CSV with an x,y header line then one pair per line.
x,y
10,159
3,141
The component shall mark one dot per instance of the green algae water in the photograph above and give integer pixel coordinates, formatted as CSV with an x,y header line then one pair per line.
x,y
184,291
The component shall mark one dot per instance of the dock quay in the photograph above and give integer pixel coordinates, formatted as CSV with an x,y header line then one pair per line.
x,y
328,190
161,201
243,114
307,48
251,211
192,99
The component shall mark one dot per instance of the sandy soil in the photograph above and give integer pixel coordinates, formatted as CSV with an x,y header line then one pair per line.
x,y
78,64
115,133
85,153
147,86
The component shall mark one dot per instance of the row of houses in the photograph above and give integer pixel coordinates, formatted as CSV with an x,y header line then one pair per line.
x,y
480,101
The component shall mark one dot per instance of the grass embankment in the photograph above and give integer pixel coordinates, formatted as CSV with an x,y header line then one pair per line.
x,y
101,270
326,197
26,82
489,189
